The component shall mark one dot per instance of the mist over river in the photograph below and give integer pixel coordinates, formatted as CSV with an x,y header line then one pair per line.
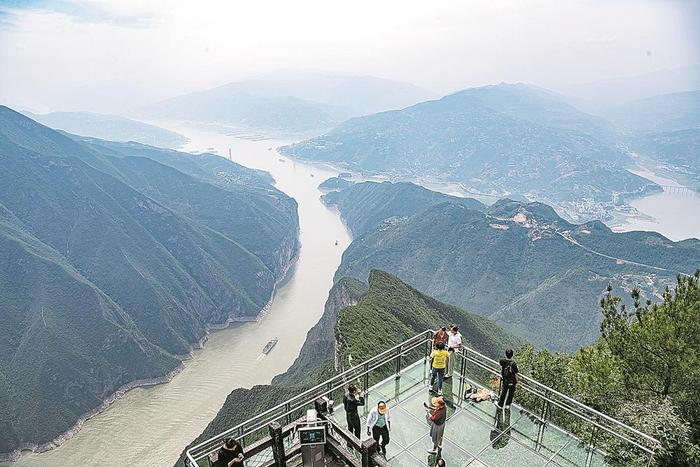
x,y
150,426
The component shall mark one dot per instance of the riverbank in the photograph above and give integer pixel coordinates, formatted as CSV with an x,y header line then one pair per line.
x,y
59,440
151,425
668,212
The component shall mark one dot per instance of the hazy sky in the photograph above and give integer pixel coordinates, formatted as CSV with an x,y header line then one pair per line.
x,y
112,54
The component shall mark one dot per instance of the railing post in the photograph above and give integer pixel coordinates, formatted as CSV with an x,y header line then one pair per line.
x,y
240,437
288,410
591,446
367,448
398,362
277,444
544,414
365,370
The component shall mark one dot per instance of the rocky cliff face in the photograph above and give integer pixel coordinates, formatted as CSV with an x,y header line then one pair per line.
x,y
321,343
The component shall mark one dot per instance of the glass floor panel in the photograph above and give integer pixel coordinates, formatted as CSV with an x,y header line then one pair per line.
x,y
474,435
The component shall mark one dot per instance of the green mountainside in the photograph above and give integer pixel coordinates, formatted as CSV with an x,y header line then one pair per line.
x,y
519,264
115,265
362,320
504,140
109,127
367,204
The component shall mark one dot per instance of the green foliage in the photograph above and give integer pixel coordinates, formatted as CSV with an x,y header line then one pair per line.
x,y
658,345
115,258
644,370
519,264
660,419
393,311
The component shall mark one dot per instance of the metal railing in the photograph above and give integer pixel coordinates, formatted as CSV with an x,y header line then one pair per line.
x,y
254,430
573,415
285,412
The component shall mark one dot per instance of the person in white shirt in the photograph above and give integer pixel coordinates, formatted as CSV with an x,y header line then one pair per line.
x,y
379,424
454,343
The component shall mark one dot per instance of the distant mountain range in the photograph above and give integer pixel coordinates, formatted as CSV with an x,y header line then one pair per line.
x,y
289,101
109,127
600,96
115,259
502,140
359,319
665,112
519,264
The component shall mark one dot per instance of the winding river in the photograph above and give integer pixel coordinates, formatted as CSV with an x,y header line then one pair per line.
x,y
151,426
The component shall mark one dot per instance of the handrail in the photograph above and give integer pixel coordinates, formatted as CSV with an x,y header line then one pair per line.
x,y
587,414
568,399
575,413
418,339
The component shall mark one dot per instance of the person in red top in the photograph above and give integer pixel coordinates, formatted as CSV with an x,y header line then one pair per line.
x,y
441,337
438,417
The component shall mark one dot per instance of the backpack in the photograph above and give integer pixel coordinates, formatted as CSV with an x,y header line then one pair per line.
x,y
508,373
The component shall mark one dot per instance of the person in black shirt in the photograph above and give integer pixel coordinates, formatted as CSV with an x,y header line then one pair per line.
x,y
351,401
230,454
509,380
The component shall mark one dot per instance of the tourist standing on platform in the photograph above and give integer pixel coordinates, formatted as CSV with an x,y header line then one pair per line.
x,y
351,401
510,375
440,337
379,425
454,343
438,417
230,454
439,358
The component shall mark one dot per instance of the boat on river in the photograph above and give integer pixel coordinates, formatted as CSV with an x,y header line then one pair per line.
x,y
270,345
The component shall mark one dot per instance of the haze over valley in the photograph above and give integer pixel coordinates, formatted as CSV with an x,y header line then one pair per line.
x,y
210,210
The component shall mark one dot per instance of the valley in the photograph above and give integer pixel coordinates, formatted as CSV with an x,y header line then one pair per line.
x,y
151,425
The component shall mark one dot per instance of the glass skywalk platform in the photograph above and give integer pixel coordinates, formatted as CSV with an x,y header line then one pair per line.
x,y
542,428
476,434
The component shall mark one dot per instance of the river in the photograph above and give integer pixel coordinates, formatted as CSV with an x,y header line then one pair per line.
x,y
151,426
673,213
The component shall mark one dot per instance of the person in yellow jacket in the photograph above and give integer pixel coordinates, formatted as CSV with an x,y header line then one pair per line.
x,y
439,358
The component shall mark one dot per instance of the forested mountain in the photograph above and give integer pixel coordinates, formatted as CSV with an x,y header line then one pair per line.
x,y
504,139
289,102
368,317
369,203
334,183
115,259
665,112
109,127
519,264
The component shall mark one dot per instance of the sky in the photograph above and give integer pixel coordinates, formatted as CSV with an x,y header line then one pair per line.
x,y
112,55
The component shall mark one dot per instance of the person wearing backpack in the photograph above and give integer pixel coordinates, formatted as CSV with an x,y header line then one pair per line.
x,y
509,380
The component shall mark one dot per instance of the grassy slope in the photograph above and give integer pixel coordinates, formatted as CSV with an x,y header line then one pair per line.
x,y
387,309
